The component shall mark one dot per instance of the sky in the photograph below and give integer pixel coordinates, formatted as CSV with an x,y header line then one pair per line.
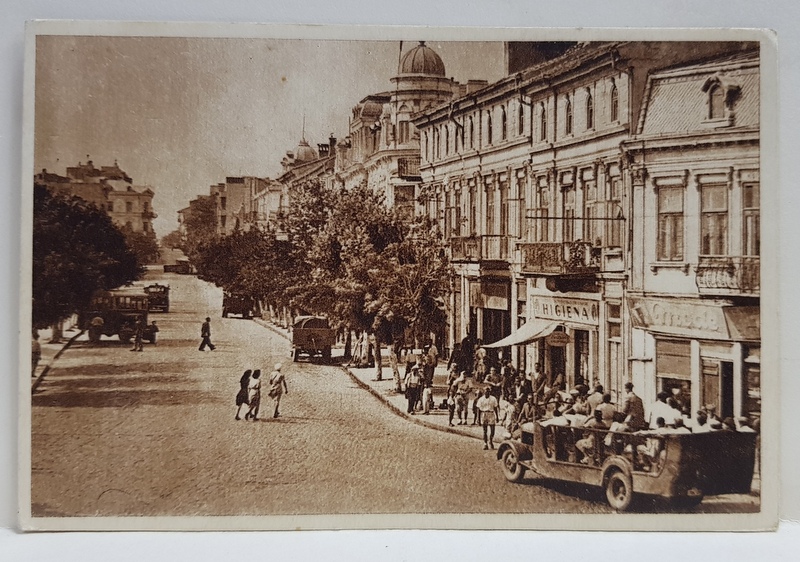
x,y
181,114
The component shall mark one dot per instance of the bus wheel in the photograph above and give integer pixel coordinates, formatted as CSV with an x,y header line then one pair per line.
x,y
619,490
512,469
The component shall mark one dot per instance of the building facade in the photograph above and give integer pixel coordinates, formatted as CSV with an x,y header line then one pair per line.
x,y
693,294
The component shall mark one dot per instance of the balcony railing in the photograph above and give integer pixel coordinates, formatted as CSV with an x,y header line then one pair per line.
x,y
465,248
494,247
560,258
728,275
408,168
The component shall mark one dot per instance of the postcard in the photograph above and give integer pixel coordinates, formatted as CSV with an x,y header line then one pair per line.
x,y
331,277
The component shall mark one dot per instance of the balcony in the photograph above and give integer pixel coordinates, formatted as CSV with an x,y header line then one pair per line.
x,y
560,258
465,249
728,275
408,168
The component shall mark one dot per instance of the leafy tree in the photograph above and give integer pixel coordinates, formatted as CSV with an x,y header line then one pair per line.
x,y
173,240
143,244
76,251
201,227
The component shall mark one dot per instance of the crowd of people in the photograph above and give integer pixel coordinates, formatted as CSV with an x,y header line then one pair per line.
x,y
487,390
249,396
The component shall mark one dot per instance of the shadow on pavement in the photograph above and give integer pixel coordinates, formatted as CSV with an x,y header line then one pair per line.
x,y
122,398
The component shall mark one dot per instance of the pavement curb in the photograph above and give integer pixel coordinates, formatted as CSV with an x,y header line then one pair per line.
x,y
378,395
404,415
46,369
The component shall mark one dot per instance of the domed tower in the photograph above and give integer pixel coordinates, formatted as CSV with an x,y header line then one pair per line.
x,y
420,84
304,152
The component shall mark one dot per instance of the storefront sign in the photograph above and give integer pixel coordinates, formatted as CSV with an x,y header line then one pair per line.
x,y
679,318
558,339
566,310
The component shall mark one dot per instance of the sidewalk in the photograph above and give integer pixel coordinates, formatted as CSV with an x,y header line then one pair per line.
x,y
384,390
51,352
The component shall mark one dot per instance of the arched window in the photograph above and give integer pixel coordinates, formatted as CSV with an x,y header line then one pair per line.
x,y
461,133
489,127
471,133
446,140
542,122
503,123
589,110
437,143
521,119
614,103
568,116
425,144
716,103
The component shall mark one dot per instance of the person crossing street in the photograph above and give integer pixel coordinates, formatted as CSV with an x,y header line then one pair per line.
x,y
205,333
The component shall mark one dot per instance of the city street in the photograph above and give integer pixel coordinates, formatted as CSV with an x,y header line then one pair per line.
x,y
153,433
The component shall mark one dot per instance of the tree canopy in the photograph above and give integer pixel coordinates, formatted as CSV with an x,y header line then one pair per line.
x,y
143,244
76,251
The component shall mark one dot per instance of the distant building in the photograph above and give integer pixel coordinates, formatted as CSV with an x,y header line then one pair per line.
x,y
110,189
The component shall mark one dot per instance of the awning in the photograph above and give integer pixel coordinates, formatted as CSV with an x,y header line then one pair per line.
x,y
528,332
744,322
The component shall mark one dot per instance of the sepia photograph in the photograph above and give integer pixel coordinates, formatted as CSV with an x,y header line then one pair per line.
x,y
277,277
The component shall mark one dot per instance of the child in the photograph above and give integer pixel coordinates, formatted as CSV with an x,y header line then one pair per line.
x,y
451,406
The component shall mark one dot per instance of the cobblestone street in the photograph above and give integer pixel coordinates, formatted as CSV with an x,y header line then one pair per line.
x,y
106,420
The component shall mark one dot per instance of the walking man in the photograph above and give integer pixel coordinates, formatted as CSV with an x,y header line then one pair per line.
x,y
205,333
488,407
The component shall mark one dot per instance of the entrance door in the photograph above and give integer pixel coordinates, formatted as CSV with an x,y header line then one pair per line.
x,y
558,362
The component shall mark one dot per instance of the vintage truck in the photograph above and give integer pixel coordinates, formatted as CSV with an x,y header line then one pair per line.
x,y
158,297
241,305
682,468
114,313
312,336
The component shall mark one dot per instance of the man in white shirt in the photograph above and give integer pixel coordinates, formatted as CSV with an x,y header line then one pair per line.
x,y
489,409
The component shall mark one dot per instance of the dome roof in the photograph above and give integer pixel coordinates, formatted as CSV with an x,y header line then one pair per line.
x,y
304,152
421,60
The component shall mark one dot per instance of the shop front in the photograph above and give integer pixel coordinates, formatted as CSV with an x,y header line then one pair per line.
x,y
701,353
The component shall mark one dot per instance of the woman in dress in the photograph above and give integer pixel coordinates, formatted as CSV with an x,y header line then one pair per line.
x,y
254,395
277,388
241,396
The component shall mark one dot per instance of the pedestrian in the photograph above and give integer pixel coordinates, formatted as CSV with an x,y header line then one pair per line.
x,y
36,352
254,395
412,382
242,396
277,388
462,387
488,407
633,409
205,333
427,398
138,333
451,406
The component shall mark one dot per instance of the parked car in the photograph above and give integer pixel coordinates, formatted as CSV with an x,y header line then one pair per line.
x,y
241,305
181,266
158,296
312,336
683,468
114,313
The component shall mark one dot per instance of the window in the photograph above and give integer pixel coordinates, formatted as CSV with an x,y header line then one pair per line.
x,y
714,220
614,103
128,206
568,117
490,222
473,209
593,228
542,122
404,132
427,147
110,206
471,133
461,133
589,110
542,213
437,140
488,127
446,141
670,224
674,372
504,208
520,119
503,123
614,227
581,347
716,103
569,214
751,216
223,202
457,211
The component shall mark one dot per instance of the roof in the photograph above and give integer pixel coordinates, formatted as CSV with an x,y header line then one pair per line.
x,y
421,60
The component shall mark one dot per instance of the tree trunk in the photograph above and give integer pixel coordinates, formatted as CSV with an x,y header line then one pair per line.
x,y
348,345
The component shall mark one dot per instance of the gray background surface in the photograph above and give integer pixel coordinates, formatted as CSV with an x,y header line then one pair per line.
x,y
780,15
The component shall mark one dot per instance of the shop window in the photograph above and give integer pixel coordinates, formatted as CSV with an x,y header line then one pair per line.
x,y
670,224
674,372
614,103
751,229
714,220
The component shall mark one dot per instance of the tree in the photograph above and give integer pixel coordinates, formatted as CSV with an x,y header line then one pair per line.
x,y
173,240
201,226
76,251
143,244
